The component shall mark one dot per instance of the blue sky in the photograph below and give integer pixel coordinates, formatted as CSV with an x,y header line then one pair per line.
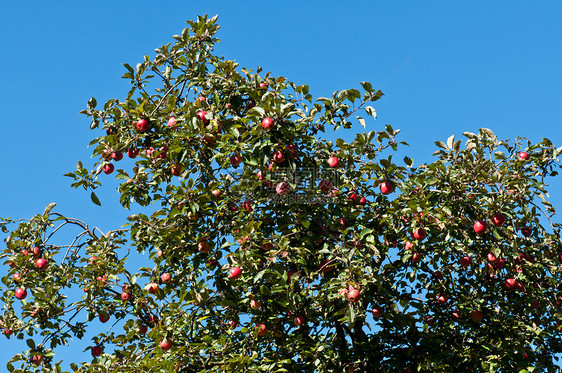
x,y
445,68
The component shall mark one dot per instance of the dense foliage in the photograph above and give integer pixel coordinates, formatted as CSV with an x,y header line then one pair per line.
x,y
269,248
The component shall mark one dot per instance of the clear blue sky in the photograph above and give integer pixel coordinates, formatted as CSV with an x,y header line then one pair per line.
x,y
445,68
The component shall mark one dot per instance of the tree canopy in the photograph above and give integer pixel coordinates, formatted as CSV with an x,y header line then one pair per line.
x,y
270,248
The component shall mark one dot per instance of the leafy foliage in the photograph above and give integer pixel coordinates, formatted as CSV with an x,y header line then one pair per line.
x,y
273,249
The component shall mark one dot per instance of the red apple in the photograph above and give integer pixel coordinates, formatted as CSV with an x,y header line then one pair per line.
x,y
363,201
476,315
262,329
247,205
125,296
132,153
408,245
499,264
408,370
108,168
117,155
166,277
202,116
387,187
235,160
103,316
353,295
231,324
21,293
36,252
334,162
278,156
216,192
176,169
255,304
41,264
441,299
172,122
498,219
325,265
510,283
492,258
17,276
526,231
377,312
299,320
235,272
152,288
283,188
267,123
142,125
524,156
480,227
416,258
419,234
465,261
143,329
293,149
36,359
153,319
438,274
166,344
325,185
263,85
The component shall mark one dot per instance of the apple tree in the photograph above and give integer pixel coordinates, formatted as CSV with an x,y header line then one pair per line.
x,y
273,249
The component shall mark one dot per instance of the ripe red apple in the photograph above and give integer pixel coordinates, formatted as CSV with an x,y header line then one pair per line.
x,y
235,160
419,234
283,188
408,245
334,162
510,283
166,277
36,252
172,122
159,253
166,344
362,201
232,324
17,276
132,153
476,315
278,156
299,320
416,258
108,168
234,273
125,296
176,169
498,219
386,187
255,304
41,264
36,359
268,246
465,261
293,149
247,205
263,85
103,316
152,288
524,156
499,264
216,192
267,123
526,231
408,370
438,274
202,116
441,299
480,227
143,329
377,312
142,125
262,329
353,295
204,246
117,155
492,258
325,185
153,319
21,293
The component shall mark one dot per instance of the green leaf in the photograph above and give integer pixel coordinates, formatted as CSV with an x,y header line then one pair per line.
x,y
95,199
